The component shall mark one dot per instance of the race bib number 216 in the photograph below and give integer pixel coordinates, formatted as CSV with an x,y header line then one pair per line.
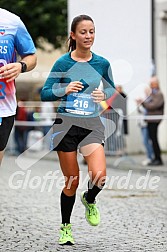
x,y
79,103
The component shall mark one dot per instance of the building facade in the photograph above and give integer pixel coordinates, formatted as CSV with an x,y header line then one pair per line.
x,y
153,44
160,49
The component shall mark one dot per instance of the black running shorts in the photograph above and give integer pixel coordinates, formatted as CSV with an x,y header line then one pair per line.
x,y
71,133
5,129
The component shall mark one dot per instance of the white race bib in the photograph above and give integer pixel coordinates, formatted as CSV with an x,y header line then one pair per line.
x,y
80,103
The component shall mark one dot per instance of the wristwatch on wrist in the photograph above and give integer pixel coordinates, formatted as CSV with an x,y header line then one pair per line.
x,y
23,66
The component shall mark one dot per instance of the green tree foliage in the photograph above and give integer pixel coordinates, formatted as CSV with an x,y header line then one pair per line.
x,y
46,19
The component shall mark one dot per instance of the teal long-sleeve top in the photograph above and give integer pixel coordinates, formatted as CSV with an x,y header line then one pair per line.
x,y
90,73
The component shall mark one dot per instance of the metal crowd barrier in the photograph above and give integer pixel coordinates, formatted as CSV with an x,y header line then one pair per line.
x,y
115,144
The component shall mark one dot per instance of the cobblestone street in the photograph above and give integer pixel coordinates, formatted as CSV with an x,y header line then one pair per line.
x,y
133,210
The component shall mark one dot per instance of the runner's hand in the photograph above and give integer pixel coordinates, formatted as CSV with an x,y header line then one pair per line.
x,y
98,95
10,71
74,86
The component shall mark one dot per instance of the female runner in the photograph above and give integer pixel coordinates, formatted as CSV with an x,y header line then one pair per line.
x,y
74,80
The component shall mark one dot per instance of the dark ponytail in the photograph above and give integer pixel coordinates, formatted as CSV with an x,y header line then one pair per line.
x,y
72,44
75,22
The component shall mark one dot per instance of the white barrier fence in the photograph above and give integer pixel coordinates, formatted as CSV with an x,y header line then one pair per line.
x,y
115,144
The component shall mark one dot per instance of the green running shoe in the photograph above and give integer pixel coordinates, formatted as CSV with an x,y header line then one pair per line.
x,y
92,213
66,235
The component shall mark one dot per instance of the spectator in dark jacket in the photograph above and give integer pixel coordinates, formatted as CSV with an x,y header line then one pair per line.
x,y
155,107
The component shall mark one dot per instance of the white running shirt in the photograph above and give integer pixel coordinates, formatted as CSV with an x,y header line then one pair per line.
x,y
14,37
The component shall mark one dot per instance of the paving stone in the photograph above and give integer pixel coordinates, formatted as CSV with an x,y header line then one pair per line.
x,y
132,220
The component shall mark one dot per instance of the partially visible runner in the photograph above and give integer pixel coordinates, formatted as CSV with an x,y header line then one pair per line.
x,y
14,38
75,80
